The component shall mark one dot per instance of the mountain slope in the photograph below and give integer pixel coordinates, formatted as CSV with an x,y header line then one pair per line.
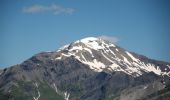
x,y
101,55
87,69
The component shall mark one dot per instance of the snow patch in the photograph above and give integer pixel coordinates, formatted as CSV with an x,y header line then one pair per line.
x,y
115,67
95,65
131,56
112,52
168,66
92,43
67,55
151,68
63,47
36,98
89,51
76,48
66,96
145,87
55,88
107,57
58,58
125,59
83,57
88,39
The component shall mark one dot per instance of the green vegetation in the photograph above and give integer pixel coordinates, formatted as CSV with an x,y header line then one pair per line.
x,y
3,96
24,90
73,87
47,93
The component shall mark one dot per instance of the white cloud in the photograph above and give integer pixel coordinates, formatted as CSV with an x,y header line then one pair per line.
x,y
109,38
55,9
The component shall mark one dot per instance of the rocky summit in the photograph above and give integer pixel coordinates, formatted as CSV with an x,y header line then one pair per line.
x,y
87,69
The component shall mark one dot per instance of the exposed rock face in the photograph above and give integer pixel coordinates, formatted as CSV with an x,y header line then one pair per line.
x,y
88,69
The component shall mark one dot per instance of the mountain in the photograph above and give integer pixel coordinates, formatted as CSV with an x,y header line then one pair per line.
x,y
87,69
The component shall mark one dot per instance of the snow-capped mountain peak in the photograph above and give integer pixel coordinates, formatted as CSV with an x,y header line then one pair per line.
x,y
101,55
90,42
88,39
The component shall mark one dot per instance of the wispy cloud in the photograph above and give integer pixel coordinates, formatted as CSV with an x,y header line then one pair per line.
x,y
53,8
109,38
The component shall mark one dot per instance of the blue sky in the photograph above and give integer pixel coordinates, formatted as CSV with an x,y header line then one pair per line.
x,y
28,27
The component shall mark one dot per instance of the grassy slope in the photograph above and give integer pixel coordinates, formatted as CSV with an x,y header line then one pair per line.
x,y
26,91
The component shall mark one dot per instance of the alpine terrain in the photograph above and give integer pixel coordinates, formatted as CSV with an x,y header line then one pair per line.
x,y
87,69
